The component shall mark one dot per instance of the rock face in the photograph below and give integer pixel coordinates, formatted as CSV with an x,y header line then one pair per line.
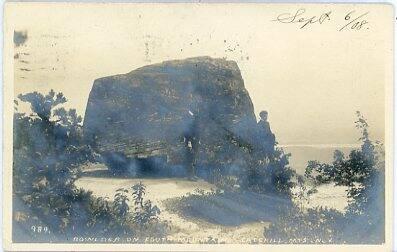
x,y
172,109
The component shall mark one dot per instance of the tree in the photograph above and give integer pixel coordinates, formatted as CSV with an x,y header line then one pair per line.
x,y
363,174
269,172
47,153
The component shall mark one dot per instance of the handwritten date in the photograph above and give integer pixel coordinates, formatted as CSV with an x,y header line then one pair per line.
x,y
297,17
356,23
351,20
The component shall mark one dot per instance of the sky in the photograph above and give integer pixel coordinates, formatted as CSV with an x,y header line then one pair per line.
x,y
311,80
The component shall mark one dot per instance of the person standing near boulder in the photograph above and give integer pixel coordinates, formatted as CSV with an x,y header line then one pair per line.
x,y
190,139
267,139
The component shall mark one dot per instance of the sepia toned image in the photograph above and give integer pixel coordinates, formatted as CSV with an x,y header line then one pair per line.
x,y
197,126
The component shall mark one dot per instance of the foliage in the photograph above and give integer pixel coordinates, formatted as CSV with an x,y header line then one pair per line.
x,y
319,225
363,174
48,151
101,216
302,195
144,212
138,191
120,204
269,174
116,218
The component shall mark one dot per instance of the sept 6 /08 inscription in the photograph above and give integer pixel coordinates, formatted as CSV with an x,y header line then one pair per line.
x,y
352,20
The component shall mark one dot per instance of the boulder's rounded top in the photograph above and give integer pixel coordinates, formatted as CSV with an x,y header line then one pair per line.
x,y
205,60
182,65
202,62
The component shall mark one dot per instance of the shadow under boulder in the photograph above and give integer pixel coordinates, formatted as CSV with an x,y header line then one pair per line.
x,y
152,166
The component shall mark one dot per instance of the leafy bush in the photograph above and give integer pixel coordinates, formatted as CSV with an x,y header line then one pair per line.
x,y
303,192
319,225
48,151
363,174
144,212
269,174
116,217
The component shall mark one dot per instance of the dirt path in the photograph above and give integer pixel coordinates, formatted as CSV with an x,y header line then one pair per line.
x,y
194,230
159,190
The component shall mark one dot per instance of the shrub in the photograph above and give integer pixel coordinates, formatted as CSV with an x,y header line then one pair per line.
x,y
363,174
144,212
116,217
47,153
48,150
295,225
271,175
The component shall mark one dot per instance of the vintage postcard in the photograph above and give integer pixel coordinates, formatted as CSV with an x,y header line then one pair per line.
x,y
198,126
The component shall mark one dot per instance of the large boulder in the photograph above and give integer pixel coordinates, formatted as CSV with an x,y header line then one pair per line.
x,y
152,110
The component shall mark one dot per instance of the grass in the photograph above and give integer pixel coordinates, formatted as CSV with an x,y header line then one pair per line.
x,y
227,208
